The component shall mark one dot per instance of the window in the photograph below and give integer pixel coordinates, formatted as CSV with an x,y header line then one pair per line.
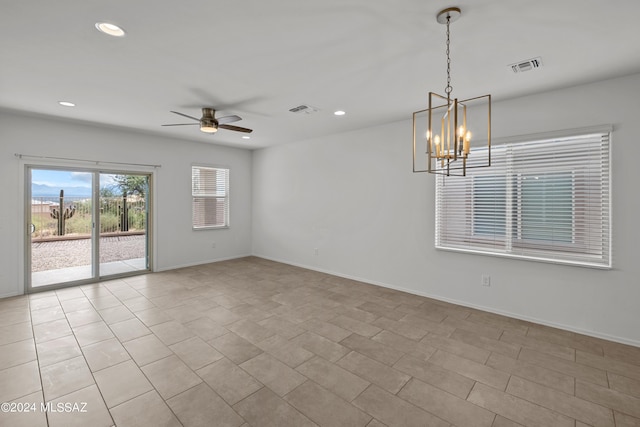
x,y
210,194
545,199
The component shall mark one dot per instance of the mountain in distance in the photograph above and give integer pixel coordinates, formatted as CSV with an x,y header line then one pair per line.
x,y
43,190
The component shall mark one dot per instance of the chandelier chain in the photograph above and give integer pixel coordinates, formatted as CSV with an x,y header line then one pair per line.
x,y
449,88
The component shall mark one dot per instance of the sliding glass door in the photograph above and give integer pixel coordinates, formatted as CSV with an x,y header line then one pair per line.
x,y
84,225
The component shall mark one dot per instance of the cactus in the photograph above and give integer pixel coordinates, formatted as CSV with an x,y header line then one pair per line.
x,y
62,216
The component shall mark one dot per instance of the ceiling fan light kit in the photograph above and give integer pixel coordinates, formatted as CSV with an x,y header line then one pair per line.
x,y
210,124
446,132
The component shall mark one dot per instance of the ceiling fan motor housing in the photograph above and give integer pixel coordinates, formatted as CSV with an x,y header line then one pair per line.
x,y
208,122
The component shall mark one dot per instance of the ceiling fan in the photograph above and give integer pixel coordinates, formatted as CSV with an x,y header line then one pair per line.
x,y
210,124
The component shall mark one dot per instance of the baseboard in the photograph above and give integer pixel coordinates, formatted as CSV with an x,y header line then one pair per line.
x,y
193,264
570,328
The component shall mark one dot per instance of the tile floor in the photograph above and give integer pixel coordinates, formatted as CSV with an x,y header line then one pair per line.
x,y
252,342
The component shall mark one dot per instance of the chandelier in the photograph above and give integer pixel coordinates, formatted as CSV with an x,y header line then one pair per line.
x,y
450,132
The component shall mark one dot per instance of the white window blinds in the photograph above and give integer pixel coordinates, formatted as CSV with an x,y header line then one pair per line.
x,y
545,199
210,194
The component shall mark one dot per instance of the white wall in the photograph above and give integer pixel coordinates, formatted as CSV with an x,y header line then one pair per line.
x,y
177,244
354,198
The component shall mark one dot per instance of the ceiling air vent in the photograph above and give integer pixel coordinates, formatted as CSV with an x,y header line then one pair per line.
x,y
526,65
307,109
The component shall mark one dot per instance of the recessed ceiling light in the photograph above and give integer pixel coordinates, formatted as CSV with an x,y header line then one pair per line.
x,y
246,137
66,104
339,113
110,29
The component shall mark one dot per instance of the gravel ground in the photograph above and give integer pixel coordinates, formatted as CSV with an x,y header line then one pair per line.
x,y
73,253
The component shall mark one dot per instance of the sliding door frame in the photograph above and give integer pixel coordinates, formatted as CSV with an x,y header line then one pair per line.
x,y
96,170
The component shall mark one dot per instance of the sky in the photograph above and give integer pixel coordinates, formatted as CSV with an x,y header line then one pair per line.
x,y
62,179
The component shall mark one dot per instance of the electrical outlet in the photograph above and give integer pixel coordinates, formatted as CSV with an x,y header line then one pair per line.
x,y
213,244
486,280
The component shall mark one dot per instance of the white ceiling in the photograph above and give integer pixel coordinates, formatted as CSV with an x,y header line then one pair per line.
x,y
375,59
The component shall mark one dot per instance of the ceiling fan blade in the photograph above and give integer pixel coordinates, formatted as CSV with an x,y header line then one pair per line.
x,y
185,115
228,119
236,128
182,124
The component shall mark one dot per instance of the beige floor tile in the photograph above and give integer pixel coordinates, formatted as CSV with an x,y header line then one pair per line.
x,y
92,333
147,349
237,349
571,406
399,345
108,301
542,346
17,353
629,370
206,328
514,408
623,420
393,411
47,314
501,421
146,410
373,371
84,407
54,351
116,314
44,301
16,332
456,347
431,327
321,346
104,354
222,316
326,329
250,331
449,381
18,416
618,351
610,398
477,329
250,312
170,376
69,293
65,377
489,344
153,316
83,317
356,313
18,381
264,408
76,304
282,327
501,322
470,369
51,330
229,381
183,313
566,367
196,353
129,329
201,406
406,329
333,378
537,374
13,316
285,351
353,325
274,374
624,384
325,408
121,382
171,332
565,338
444,405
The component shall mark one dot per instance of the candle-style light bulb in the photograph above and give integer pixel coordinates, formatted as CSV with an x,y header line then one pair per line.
x,y
436,140
467,143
